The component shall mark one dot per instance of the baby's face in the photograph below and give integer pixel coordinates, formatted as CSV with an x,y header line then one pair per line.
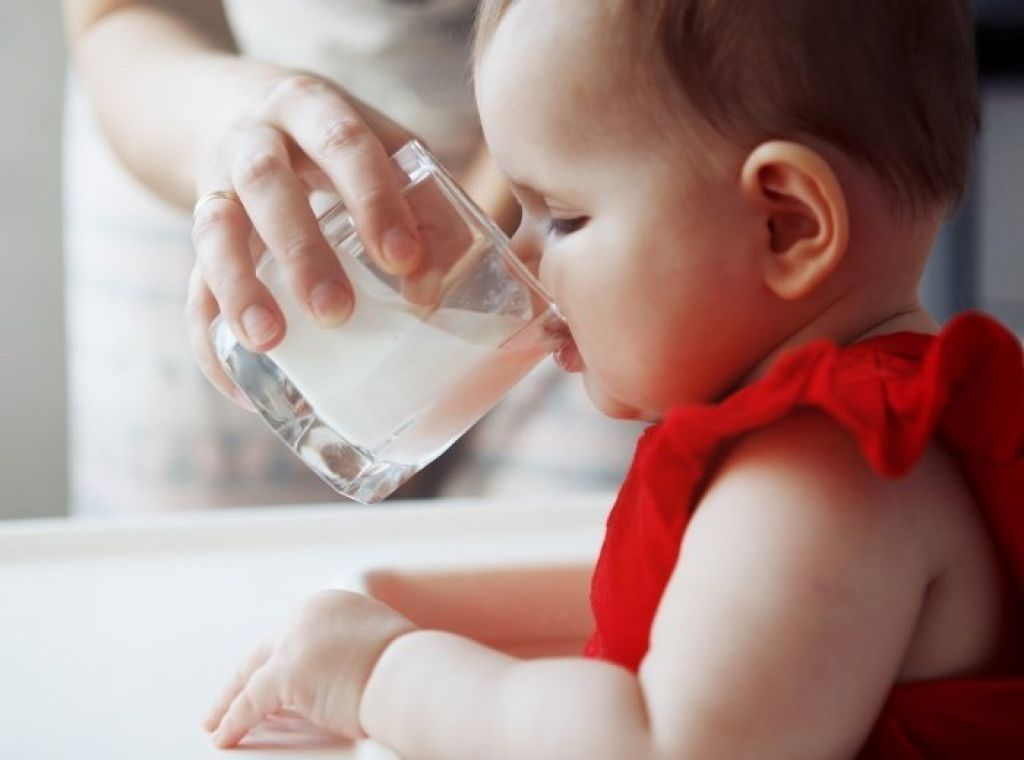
x,y
636,244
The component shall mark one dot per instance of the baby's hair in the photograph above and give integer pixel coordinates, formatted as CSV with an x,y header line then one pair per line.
x,y
892,83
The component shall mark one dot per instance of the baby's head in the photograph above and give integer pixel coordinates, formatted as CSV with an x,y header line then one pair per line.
x,y
710,179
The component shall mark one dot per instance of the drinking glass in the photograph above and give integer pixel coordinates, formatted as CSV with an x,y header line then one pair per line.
x,y
423,356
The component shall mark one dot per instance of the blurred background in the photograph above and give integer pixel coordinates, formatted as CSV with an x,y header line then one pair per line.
x,y
979,261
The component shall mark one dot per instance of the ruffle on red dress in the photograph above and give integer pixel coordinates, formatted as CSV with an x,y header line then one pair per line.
x,y
895,394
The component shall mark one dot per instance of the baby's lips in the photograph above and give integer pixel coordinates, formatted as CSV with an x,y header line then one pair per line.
x,y
566,354
557,331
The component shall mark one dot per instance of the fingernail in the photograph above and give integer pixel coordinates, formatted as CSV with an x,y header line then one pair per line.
x,y
331,302
260,325
424,289
400,247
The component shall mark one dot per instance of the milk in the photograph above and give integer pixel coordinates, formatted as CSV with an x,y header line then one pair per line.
x,y
386,367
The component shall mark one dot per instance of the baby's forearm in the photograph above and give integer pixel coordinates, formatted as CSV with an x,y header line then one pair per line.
x,y
436,695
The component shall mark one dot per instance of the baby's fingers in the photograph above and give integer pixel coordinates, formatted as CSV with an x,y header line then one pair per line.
x,y
255,661
258,698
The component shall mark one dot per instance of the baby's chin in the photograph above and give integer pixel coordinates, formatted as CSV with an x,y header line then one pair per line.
x,y
611,406
569,358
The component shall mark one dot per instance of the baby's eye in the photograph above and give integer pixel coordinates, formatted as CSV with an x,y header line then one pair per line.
x,y
567,226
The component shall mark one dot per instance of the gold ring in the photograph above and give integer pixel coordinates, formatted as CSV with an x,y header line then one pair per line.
x,y
224,195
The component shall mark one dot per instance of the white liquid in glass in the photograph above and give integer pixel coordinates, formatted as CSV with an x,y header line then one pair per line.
x,y
385,368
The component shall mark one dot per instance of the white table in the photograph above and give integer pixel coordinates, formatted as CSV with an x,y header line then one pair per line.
x,y
117,635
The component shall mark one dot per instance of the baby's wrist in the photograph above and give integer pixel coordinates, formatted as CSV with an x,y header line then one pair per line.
x,y
376,673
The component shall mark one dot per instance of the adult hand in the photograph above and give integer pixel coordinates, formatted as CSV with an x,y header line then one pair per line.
x,y
272,145
317,668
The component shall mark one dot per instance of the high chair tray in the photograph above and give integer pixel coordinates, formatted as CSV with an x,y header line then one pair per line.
x,y
116,636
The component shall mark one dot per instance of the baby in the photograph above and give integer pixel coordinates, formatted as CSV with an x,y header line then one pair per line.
x,y
819,550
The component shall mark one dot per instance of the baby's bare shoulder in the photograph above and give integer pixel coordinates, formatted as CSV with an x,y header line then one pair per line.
x,y
813,471
804,484
808,470
801,580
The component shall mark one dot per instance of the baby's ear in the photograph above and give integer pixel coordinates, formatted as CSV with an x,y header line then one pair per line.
x,y
806,223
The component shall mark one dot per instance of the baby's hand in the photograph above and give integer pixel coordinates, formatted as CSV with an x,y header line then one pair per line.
x,y
318,668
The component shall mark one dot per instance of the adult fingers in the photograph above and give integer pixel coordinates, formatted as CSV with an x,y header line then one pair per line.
x,y
220,236
200,311
277,202
331,132
446,239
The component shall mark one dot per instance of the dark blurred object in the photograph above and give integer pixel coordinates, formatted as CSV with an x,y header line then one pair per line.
x,y
1000,36
953,280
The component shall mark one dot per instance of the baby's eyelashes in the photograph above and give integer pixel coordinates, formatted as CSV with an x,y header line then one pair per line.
x,y
560,226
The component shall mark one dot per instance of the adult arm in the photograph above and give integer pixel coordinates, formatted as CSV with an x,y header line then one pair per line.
x,y
188,117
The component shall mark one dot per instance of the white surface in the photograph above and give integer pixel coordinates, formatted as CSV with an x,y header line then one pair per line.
x,y
116,637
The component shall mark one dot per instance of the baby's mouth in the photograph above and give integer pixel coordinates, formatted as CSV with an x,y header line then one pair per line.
x,y
566,354
568,357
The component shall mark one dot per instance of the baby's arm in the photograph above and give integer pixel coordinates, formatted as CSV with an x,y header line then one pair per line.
x,y
779,634
436,695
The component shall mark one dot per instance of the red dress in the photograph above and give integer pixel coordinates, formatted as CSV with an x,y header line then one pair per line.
x,y
894,394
